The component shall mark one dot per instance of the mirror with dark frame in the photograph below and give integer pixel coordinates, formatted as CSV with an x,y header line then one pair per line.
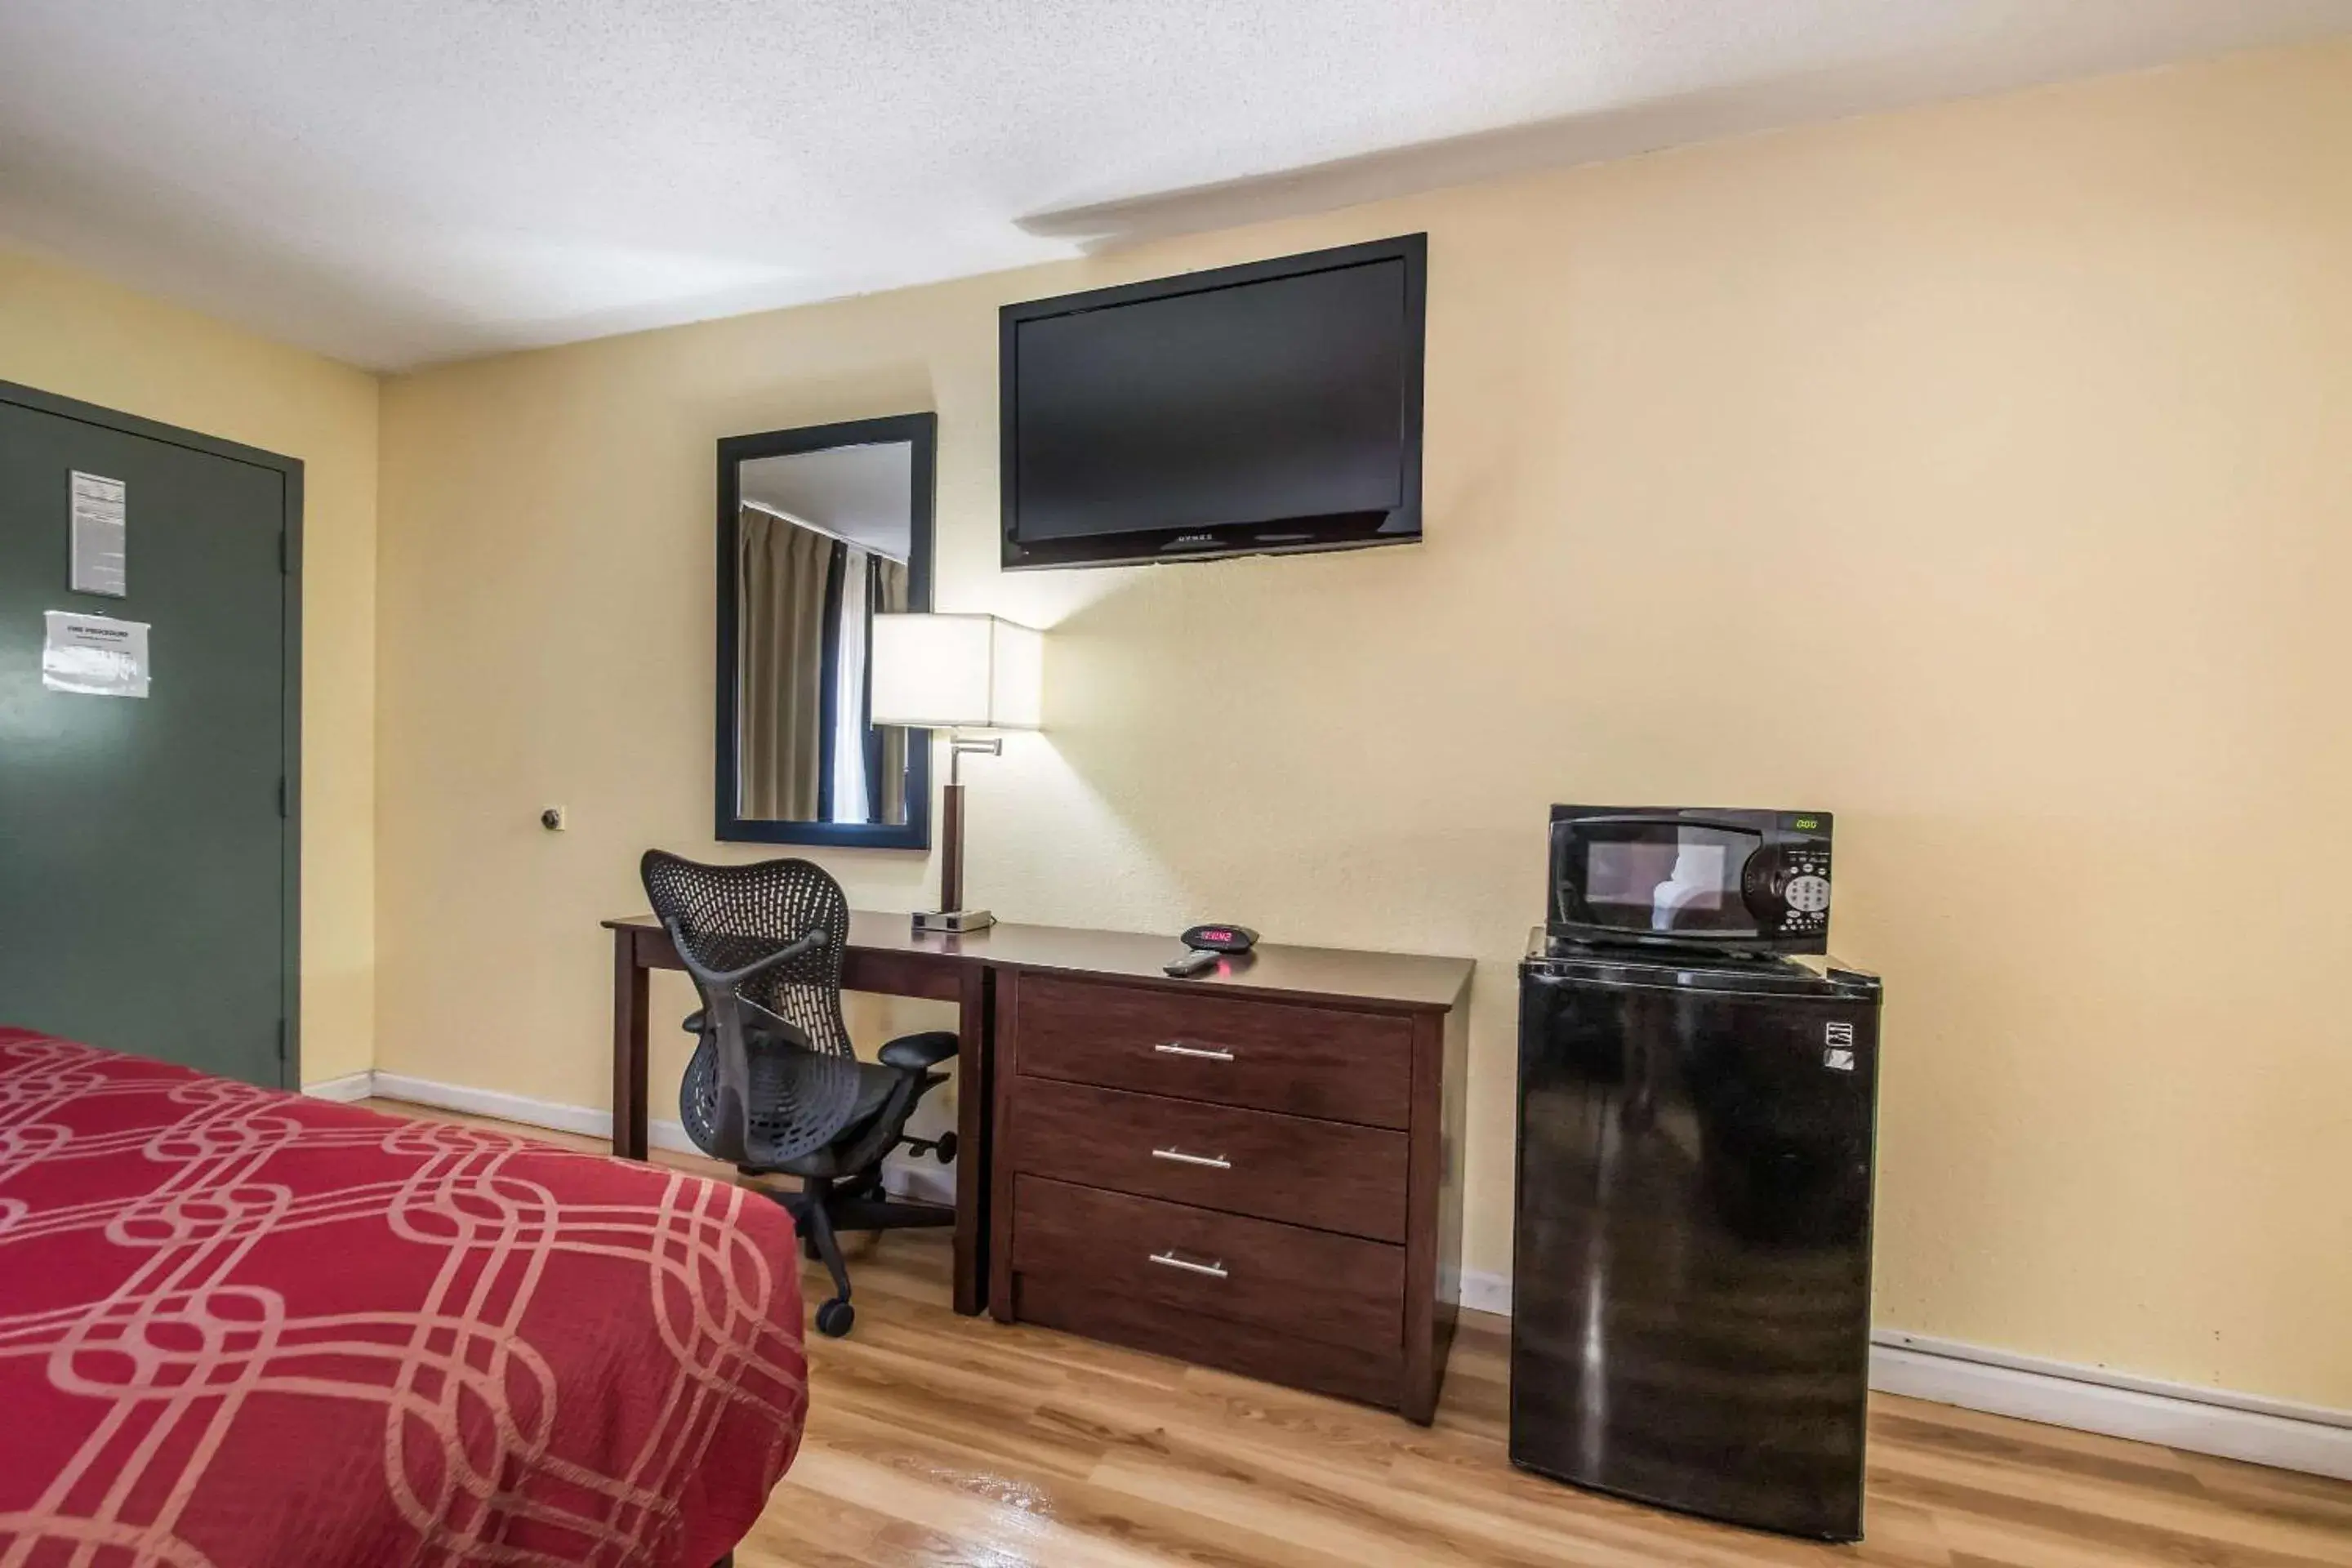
x,y
820,529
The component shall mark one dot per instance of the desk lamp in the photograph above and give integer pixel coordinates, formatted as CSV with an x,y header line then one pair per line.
x,y
956,673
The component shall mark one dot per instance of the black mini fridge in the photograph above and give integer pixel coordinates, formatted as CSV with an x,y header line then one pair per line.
x,y
1691,1289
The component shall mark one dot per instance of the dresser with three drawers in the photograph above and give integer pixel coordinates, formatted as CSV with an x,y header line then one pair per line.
x,y
1257,1170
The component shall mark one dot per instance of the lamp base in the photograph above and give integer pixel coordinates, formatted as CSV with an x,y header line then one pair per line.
x,y
952,922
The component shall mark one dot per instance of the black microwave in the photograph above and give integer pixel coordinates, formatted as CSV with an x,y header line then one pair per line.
x,y
1752,881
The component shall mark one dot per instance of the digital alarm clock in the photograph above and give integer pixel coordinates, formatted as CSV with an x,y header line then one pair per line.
x,y
1209,943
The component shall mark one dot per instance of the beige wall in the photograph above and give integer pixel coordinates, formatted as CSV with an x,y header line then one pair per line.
x,y
70,333
1979,472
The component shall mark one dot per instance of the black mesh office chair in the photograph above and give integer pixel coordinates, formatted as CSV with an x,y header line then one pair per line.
x,y
774,1085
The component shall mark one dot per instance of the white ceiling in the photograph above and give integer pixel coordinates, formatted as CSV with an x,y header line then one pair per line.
x,y
863,494
400,181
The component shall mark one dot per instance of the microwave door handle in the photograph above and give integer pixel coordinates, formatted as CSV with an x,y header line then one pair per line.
x,y
1761,894
1745,829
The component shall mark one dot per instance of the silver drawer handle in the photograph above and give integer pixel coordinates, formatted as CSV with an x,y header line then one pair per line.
x,y
1170,1260
1171,1049
1215,1161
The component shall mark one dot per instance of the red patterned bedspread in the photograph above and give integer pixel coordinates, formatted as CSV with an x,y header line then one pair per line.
x,y
241,1329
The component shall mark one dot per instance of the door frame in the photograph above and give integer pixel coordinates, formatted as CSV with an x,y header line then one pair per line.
x,y
290,470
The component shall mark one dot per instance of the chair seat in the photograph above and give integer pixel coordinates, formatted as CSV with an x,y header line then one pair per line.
x,y
916,1053
873,1087
873,1092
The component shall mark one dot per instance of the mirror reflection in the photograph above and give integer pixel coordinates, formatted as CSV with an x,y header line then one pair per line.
x,y
825,539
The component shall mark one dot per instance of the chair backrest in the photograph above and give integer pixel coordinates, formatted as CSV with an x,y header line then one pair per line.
x,y
773,1087
731,916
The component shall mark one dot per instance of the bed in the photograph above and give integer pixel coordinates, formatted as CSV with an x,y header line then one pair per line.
x,y
242,1329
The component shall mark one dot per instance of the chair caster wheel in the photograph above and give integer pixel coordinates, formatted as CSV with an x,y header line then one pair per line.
x,y
834,1318
944,1149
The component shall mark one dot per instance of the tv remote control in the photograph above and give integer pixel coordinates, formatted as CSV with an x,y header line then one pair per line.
x,y
1193,963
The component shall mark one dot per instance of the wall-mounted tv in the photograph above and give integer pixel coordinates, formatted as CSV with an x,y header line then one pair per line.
x,y
1270,408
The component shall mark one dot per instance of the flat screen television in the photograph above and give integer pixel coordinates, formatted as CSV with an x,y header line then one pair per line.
x,y
1270,408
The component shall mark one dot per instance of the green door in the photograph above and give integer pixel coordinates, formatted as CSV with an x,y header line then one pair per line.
x,y
146,870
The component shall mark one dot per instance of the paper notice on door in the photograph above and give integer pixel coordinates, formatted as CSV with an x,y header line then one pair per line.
x,y
101,528
94,656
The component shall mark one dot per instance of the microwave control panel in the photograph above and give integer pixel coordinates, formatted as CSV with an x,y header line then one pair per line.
x,y
1804,888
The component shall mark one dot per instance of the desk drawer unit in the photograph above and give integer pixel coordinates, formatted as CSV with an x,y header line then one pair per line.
x,y
1238,1176
1329,1174
1336,1288
1303,1061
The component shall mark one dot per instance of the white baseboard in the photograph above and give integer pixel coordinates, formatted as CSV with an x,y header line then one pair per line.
x,y
2273,1432
488,1102
547,1113
344,1089
936,1185
1485,1292
2232,1426
924,1182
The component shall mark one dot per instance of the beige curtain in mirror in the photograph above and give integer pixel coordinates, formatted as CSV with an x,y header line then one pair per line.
x,y
888,591
780,660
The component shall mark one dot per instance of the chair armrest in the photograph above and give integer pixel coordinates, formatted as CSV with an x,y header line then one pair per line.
x,y
914,1053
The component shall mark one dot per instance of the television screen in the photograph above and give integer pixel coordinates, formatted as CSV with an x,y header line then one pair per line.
x,y
1273,407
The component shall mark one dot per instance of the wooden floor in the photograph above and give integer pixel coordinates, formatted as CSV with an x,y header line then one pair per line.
x,y
944,1441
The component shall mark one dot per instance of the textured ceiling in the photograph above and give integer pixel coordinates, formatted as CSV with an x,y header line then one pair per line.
x,y
400,181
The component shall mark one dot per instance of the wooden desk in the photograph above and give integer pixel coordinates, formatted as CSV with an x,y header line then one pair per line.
x,y
1334,1039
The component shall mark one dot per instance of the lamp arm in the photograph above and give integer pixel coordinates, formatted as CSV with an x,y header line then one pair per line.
x,y
959,745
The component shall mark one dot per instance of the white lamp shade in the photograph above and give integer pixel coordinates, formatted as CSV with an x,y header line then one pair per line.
x,y
950,672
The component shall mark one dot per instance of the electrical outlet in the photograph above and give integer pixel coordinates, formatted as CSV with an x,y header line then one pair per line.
x,y
552,819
